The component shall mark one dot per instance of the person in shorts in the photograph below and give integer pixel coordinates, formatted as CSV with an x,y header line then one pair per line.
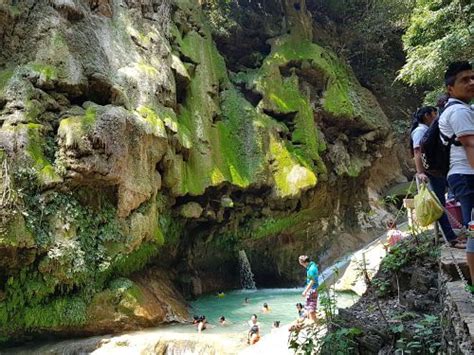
x,y
311,290
457,121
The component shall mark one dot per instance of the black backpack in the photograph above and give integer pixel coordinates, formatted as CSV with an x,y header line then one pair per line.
x,y
435,154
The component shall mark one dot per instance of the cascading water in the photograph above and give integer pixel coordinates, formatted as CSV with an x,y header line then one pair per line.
x,y
246,275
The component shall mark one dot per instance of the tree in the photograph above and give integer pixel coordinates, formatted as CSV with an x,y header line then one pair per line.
x,y
439,32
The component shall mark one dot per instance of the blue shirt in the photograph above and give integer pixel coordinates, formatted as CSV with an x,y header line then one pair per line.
x,y
312,275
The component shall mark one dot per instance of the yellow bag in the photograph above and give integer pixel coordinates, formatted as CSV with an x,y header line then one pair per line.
x,y
428,209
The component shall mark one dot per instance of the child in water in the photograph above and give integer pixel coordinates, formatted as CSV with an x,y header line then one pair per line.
x,y
265,308
200,322
253,335
300,309
253,321
224,322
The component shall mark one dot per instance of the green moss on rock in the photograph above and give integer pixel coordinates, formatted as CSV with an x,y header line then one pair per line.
x,y
217,153
137,259
290,177
47,72
275,225
72,129
153,121
35,149
5,76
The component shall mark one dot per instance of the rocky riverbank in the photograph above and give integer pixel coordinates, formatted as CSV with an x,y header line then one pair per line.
x,y
412,304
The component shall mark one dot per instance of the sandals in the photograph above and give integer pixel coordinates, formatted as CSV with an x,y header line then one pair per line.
x,y
457,244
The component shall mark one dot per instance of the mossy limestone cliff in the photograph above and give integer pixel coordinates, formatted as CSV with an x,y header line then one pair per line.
x,y
122,132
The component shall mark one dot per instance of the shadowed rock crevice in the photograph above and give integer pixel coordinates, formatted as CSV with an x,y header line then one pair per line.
x,y
252,96
242,31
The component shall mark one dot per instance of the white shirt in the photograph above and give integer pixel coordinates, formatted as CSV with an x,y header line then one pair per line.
x,y
459,120
417,135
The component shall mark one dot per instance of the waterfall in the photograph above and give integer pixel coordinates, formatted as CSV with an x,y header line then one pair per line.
x,y
246,275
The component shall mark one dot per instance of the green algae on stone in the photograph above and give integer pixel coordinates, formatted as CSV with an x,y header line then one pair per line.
x,y
121,297
89,118
290,177
241,139
5,76
13,233
272,226
282,95
205,166
47,72
43,168
73,128
137,259
153,121
343,97
355,167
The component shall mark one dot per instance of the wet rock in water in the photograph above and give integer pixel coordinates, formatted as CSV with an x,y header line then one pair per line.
x,y
145,300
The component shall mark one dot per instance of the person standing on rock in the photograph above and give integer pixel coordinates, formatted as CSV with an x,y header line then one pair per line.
x,y
311,290
457,121
422,120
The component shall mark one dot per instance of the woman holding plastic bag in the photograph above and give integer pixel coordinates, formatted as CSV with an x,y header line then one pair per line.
x,y
422,119
427,206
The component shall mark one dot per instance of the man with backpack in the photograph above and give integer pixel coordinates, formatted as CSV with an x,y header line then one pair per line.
x,y
456,126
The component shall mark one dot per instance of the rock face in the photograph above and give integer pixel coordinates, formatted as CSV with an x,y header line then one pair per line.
x,y
133,133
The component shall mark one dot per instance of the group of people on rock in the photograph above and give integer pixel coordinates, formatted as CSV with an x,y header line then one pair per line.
x,y
455,119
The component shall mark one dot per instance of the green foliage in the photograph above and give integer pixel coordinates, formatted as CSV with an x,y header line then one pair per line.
x,y
425,340
340,342
312,338
304,342
397,329
373,28
439,32
382,287
27,306
136,260
391,199
405,316
228,242
327,302
410,250
66,311
83,246
171,228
